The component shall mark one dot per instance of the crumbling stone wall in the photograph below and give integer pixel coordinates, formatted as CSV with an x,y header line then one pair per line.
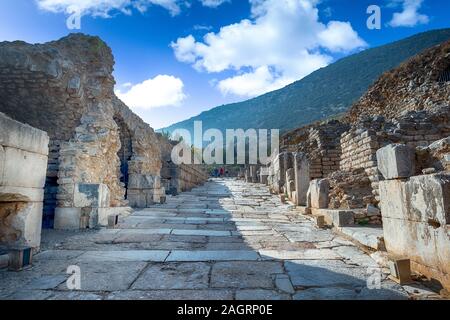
x,y
23,161
66,88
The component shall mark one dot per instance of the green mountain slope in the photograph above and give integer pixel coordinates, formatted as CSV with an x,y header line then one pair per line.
x,y
326,92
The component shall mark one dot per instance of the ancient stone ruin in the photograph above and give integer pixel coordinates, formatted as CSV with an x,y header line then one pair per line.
x,y
102,158
381,174
23,163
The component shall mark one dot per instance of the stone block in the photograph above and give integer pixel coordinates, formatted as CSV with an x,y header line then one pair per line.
x,y
27,221
23,168
343,218
137,199
319,190
20,258
67,218
415,222
421,199
90,215
396,161
367,236
140,181
302,174
279,170
17,135
91,195
373,211
105,213
400,271
320,221
113,221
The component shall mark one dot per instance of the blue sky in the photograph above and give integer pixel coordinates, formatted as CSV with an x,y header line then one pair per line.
x,y
177,58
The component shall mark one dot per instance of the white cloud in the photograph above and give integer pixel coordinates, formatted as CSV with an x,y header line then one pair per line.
x,y
410,15
283,41
340,37
213,3
252,83
161,91
103,8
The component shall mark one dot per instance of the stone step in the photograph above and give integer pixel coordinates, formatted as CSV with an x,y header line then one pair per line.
x,y
370,237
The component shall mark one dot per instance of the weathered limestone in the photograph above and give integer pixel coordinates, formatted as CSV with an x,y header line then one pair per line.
x,y
416,215
319,193
302,174
88,200
336,218
278,172
434,157
396,161
66,88
290,183
343,218
23,163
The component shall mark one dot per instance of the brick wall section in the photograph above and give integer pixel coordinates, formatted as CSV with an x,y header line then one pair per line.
x,y
322,144
359,148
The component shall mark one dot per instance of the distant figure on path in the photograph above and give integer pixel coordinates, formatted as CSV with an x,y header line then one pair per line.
x,y
222,171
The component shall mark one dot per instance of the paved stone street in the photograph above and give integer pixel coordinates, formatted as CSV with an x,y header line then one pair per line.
x,y
224,240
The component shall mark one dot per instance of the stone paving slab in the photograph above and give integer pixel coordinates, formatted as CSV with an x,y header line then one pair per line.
x,y
206,233
245,274
126,255
308,254
325,273
334,293
219,255
58,255
174,276
201,295
145,231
